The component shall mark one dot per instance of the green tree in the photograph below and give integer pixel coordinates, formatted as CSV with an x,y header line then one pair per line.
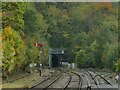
x,y
118,65
81,58
13,15
35,32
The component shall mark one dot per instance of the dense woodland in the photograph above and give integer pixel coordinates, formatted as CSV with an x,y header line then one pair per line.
x,y
89,31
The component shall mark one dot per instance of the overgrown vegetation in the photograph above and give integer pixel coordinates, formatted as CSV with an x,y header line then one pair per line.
x,y
89,31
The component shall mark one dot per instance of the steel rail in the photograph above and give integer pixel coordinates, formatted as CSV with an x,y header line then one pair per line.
x,y
68,82
52,82
93,79
80,80
41,82
104,79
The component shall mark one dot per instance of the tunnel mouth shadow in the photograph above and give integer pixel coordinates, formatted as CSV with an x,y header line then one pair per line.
x,y
54,60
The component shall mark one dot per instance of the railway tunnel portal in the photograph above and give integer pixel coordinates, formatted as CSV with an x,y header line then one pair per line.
x,y
55,55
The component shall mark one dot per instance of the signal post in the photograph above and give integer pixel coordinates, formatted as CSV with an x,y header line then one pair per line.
x,y
40,45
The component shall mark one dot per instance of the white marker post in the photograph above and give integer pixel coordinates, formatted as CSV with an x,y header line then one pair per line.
x,y
41,56
35,64
30,65
119,81
40,65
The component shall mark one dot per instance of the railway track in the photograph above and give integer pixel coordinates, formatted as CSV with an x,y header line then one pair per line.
x,y
94,80
98,77
48,81
69,79
64,80
74,81
107,81
80,80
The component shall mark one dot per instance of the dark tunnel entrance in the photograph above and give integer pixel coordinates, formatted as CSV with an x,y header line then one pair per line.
x,y
55,57
54,60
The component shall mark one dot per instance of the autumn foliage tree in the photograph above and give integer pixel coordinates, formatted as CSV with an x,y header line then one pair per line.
x,y
13,50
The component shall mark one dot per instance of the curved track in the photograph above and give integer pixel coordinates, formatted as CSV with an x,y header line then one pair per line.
x,y
74,81
99,78
63,80
47,82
